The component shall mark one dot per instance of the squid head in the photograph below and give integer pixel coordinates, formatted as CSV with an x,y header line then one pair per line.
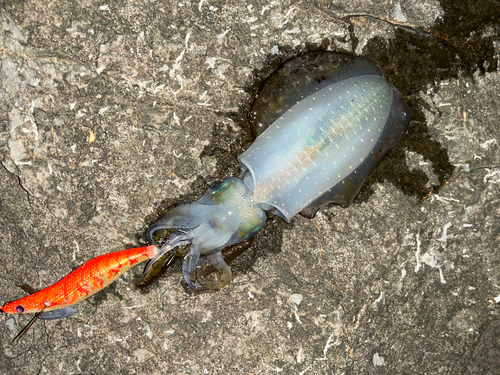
x,y
223,216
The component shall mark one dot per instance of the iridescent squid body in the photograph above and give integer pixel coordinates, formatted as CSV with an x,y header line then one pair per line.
x,y
319,150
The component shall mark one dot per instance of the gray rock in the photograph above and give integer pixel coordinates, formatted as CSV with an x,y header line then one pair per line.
x,y
108,110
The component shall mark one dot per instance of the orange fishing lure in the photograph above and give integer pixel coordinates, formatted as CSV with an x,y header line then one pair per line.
x,y
83,282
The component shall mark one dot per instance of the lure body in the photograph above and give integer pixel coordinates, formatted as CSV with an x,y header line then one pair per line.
x,y
318,150
86,280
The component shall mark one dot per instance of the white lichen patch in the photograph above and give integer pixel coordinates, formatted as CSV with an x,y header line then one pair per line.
x,y
416,161
378,360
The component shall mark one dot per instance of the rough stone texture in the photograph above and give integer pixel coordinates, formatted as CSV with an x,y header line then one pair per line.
x,y
422,13
106,109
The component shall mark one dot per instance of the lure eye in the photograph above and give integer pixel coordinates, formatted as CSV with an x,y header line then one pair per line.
x,y
20,309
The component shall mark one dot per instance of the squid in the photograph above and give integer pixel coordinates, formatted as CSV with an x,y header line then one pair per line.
x,y
328,133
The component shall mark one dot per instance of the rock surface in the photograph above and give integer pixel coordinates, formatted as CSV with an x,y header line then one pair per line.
x,y
108,109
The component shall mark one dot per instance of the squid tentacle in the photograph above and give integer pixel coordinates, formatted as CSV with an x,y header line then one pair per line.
x,y
175,240
225,215
225,273
191,261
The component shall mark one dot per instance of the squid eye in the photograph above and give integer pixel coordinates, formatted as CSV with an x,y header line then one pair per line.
x,y
20,309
